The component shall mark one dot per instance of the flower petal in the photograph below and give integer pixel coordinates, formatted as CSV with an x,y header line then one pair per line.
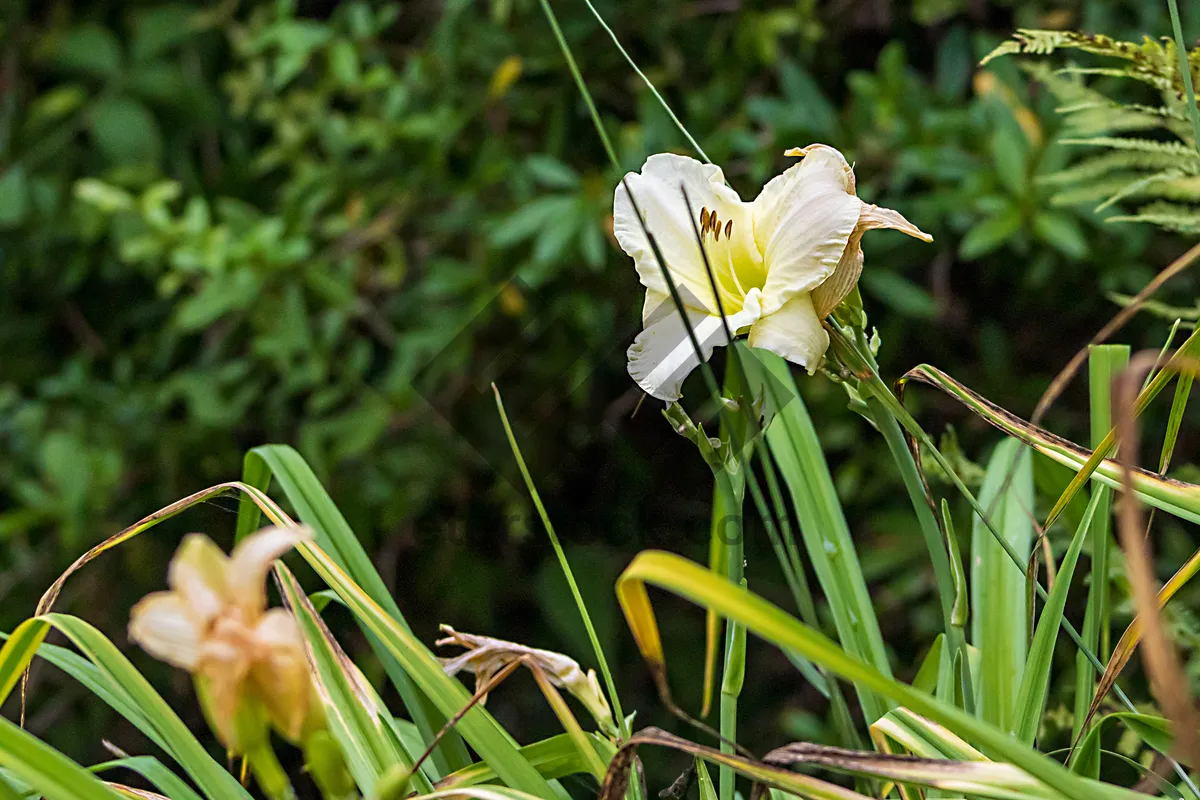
x,y
662,355
163,626
802,222
198,573
252,559
658,192
281,672
827,296
793,332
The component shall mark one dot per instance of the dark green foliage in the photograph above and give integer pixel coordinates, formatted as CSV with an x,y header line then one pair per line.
x,y
332,224
1137,163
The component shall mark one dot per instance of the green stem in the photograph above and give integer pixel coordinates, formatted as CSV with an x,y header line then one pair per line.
x,y
727,516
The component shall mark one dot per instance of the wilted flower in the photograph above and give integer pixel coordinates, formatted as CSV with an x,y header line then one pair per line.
x,y
248,662
782,263
486,656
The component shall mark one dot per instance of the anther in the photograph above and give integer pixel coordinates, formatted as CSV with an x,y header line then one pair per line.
x,y
728,229
704,220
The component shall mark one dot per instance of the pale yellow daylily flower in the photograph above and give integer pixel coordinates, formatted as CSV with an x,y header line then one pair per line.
x,y
486,656
782,263
248,662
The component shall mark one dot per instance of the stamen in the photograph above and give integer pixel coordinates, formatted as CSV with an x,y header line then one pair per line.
x,y
728,229
717,232
704,220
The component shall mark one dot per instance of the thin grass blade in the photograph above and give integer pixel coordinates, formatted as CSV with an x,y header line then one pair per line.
x,y
155,772
1031,700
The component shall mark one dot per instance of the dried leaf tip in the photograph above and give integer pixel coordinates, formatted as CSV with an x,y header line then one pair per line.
x,y
485,656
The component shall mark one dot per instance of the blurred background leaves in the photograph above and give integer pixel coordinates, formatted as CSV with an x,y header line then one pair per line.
x,y
333,224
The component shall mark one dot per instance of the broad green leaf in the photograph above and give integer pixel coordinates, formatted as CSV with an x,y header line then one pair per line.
x,y
698,585
553,758
154,771
793,442
998,622
990,234
1104,361
89,48
125,130
354,712
332,533
47,771
478,727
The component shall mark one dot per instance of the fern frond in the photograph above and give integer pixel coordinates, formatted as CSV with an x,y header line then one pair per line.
x,y
1187,154
1139,187
1184,188
1172,216
1094,168
1093,192
1100,118
1042,42
1163,83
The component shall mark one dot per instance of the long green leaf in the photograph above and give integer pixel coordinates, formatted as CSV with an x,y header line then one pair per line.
x,y
353,710
19,649
213,779
797,450
449,696
998,625
97,682
1031,700
47,771
1154,731
1104,362
316,509
154,771
698,585
110,676
553,758
1175,497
